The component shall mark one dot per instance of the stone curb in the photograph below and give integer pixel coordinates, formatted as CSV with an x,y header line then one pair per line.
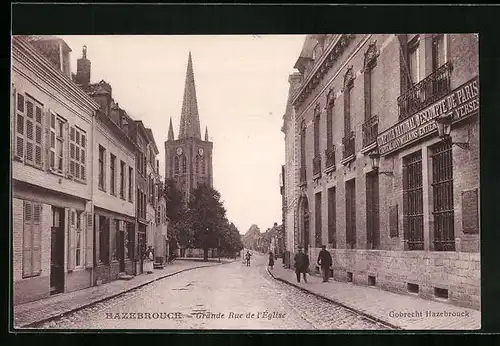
x,y
350,308
114,295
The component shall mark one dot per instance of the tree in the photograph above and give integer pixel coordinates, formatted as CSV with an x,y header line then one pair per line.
x,y
179,229
206,217
230,239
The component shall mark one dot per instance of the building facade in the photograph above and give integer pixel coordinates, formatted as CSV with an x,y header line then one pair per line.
x,y
397,205
51,172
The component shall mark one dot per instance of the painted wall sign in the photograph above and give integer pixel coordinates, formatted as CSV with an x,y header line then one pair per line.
x,y
462,102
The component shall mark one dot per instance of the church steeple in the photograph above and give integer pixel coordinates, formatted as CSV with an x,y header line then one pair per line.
x,y
206,133
170,131
190,121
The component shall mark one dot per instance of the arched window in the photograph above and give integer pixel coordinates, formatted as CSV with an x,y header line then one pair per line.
x,y
303,144
202,163
317,118
348,84
197,164
176,165
329,118
369,65
184,164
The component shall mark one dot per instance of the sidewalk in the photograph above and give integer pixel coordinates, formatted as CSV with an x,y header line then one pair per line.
x,y
386,306
42,310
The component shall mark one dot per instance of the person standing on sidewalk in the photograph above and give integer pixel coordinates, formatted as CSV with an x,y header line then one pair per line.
x,y
301,264
271,260
247,257
325,262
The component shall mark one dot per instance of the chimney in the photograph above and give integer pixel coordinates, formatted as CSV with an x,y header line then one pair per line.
x,y
54,49
83,69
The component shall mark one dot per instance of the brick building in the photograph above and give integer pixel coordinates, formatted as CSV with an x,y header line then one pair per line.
x,y
396,204
52,128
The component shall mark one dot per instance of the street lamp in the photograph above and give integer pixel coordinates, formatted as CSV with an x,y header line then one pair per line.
x,y
443,123
375,161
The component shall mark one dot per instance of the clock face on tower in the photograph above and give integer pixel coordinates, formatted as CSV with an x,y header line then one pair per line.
x,y
179,151
200,151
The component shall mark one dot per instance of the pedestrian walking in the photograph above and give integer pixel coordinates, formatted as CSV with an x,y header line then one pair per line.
x,y
247,257
301,264
325,262
271,260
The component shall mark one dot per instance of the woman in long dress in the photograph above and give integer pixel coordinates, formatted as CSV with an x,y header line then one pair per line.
x,y
148,261
271,260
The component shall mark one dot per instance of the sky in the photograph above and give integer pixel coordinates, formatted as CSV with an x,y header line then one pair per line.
x,y
241,87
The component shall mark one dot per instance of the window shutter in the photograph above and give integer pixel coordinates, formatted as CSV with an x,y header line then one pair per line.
x,y
67,149
89,240
38,136
30,131
71,239
37,239
20,126
404,68
27,239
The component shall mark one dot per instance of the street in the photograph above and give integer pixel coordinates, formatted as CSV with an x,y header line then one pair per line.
x,y
229,296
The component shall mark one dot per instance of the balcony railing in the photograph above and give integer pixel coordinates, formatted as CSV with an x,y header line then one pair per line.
x,y
348,143
425,92
302,175
370,131
317,165
330,157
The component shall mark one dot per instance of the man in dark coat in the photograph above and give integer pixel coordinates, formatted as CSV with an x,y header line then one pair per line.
x,y
301,264
325,261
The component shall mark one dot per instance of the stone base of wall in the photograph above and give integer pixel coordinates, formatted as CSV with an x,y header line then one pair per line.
x,y
108,272
31,289
129,267
77,280
432,272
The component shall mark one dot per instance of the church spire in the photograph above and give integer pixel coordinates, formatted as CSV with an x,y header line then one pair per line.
x,y
170,131
190,121
206,133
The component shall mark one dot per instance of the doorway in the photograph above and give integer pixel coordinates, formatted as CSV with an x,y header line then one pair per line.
x,y
120,245
57,251
141,243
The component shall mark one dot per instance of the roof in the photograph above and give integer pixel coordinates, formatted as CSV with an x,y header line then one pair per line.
x,y
152,139
40,38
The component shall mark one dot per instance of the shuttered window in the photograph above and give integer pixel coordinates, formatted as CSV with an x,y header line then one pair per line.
x,y
78,143
112,174
413,206
317,206
130,184
79,240
332,217
29,130
372,211
350,187
32,255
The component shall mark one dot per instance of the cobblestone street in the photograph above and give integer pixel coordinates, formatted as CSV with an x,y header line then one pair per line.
x,y
219,297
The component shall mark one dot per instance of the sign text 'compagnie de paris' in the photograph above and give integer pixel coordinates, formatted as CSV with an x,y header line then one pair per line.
x,y
461,102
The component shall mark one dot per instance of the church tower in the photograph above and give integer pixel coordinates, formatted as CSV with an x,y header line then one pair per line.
x,y
188,159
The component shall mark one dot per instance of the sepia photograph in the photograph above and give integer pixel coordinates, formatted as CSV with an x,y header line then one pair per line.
x,y
245,182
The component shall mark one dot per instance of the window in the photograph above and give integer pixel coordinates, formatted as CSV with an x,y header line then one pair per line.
x,y
122,179
130,242
28,142
77,140
413,63
158,215
350,187
348,84
176,165
438,51
102,172
130,184
369,66
413,225
112,174
332,210
372,211
184,163
202,163
442,196
329,119
78,239
317,206
56,150
197,164
32,255
303,144
317,118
